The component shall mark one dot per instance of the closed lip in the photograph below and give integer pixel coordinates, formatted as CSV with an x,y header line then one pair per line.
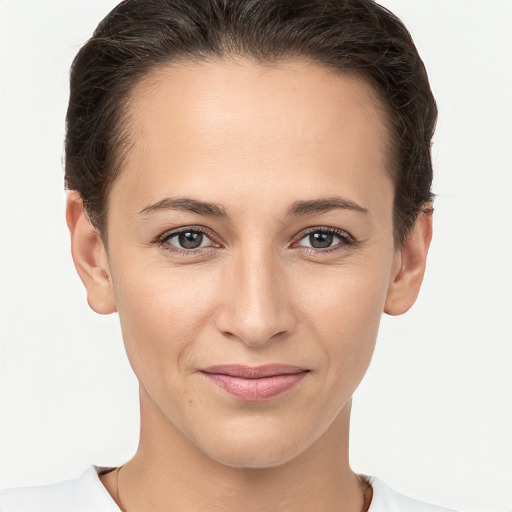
x,y
254,383
253,372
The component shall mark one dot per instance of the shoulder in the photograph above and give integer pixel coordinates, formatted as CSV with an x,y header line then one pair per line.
x,y
386,499
83,494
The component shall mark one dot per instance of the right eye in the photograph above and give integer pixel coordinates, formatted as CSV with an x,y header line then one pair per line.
x,y
186,241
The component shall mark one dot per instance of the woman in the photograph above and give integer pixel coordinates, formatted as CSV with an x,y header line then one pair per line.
x,y
250,190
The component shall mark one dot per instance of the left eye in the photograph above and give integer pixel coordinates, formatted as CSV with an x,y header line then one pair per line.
x,y
323,239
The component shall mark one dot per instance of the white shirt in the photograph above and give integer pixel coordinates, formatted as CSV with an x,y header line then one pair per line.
x,y
87,494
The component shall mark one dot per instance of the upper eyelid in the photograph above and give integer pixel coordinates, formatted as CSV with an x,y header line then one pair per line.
x,y
302,234
325,229
173,232
207,231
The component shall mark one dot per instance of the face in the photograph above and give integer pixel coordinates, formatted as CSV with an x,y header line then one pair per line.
x,y
250,252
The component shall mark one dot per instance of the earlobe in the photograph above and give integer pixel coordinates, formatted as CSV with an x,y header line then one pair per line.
x,y
409,267
90,257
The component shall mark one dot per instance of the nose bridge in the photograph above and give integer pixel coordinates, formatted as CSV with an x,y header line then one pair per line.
x,y
255,307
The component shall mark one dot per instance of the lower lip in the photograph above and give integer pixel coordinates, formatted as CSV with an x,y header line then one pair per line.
x,y
255,390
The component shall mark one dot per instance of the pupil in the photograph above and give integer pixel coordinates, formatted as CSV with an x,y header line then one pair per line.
x,y
320,240
190,239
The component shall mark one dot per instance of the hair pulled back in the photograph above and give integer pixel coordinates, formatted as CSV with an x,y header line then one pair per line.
x,y
359,37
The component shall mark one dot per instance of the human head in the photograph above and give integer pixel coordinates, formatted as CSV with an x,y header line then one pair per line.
x,y
355,37
227,166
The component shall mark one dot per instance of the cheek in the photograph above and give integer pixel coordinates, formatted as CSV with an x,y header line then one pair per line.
x,y
347,300
162,312
344,311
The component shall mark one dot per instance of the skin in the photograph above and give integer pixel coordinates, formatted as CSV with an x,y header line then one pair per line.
x,y
253,140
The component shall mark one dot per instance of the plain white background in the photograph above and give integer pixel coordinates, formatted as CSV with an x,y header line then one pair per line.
x,y
433,416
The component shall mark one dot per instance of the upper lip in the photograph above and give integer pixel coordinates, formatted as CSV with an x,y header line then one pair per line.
x,y
253,372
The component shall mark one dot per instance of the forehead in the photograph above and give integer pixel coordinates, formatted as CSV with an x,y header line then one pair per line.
x,y
244,123
212,94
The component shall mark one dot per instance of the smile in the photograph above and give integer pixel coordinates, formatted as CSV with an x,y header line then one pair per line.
x,y
255,384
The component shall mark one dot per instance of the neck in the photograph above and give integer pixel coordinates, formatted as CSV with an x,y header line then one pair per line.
x,y
169,473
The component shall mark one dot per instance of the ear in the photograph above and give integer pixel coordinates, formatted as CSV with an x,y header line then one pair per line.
x,y
90,257
409,267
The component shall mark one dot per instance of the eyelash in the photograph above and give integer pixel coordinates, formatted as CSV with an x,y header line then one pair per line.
x,y
162,240
346,240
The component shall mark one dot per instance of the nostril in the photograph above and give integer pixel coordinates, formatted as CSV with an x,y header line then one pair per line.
x,y
253,333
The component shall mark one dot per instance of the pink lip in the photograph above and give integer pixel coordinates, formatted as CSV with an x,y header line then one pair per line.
x,y
255,383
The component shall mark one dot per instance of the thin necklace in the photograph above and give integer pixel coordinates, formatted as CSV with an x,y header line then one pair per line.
x,y
363,482
118,499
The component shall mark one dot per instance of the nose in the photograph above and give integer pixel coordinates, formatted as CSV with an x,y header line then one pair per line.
x,y
255,304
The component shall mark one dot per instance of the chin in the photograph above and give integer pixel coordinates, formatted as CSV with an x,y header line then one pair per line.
x,y
256,446
253,457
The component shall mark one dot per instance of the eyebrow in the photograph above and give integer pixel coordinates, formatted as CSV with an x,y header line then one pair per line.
x,y
323,205
298,208
186,204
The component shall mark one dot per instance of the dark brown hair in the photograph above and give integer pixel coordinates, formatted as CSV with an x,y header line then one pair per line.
x,y
358,37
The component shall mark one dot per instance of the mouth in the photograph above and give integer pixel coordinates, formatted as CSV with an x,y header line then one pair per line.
x,y
254,383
